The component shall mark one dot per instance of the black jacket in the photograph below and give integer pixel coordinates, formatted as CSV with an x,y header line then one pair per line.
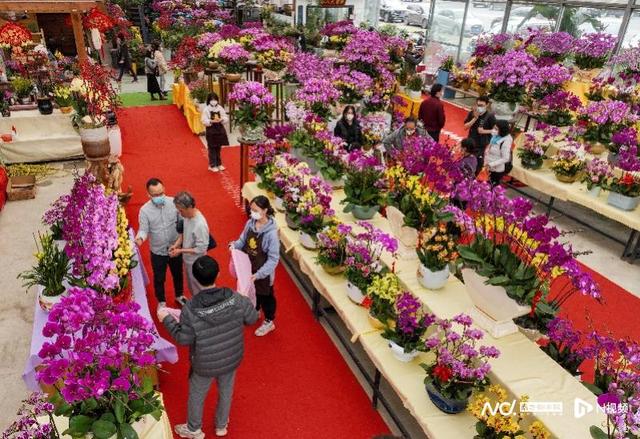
x,y
212,324
351,134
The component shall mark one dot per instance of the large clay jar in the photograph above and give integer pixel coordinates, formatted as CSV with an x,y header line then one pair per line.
x,y
95,143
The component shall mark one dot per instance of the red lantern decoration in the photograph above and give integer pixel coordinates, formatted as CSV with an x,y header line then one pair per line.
x,y
13,34
96,19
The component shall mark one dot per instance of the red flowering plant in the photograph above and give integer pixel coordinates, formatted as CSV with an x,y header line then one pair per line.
x,y
519,251
627,185
14,35
96,19
186,55
460,365
94,96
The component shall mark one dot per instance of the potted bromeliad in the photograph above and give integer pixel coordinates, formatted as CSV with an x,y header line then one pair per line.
x,y
436,250
100,387
510,258
363,185
381,296
410,324
624,192
332,247
64,99
313,210
363,252
596,174
252,102
50,274
460,365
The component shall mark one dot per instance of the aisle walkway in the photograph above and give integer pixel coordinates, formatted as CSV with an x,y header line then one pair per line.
x,y
294,382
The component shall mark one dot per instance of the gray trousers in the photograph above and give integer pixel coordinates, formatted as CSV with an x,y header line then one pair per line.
x,y
192,283
198,389
161,82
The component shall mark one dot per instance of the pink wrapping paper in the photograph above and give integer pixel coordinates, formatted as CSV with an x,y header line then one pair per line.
x,y
240,267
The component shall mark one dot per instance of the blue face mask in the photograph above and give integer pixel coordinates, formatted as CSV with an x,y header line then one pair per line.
x,y
158,201
495,138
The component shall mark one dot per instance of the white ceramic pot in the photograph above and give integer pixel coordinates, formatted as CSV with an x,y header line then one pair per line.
x,y
401,89
505,110
258,179
278,203
308,241
115,141
432,280
400,354
415,94
622,201
48,302
595,191
354,293
408,236
493,309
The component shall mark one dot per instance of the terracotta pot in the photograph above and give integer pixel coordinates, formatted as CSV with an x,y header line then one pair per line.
x,y
66,110
95,143
597,148
233,77
567,178
334,271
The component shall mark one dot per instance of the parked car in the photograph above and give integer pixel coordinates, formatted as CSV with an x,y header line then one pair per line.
x,y
417,15
450,22
392,11
494,6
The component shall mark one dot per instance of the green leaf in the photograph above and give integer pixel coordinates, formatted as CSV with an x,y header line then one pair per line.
x,y
597,433
119,410
469,255
136,405
89,405
499,280
108,417
593,388
103,429
127,432
147,385
80,424
64,409
348,208
156,414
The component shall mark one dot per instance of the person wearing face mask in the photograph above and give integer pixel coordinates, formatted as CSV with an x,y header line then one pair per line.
x,y
431,112
213,118
348,128
480,121
260,241
157,221
395,139
497,156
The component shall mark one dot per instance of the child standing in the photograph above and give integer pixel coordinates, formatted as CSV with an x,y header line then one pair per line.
x,y
214,117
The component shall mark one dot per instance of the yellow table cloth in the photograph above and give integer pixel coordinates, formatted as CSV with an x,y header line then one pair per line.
x,y
177,94
523,369
411,107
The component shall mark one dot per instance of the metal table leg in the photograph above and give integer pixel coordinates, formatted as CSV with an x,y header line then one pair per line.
x,y
629,245
550,205
315,300
376,389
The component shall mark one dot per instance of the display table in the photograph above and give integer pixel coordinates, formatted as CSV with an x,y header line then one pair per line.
x,y
165,351
523,369
181,97
411,106
39,138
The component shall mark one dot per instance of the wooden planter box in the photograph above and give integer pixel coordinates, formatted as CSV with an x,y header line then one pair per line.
x,y
21,187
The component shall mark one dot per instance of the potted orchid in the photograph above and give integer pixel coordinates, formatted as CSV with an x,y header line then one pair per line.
x,y
252,102
234,57
332,247
352,85
363,252
313,209
460,365
318,95
363,185
436,250
600,120
262,156
591,50
531,153
29,424
96,366
624,139
568,163
411,323
597,173
381,297
283,176
564,346
331,160
624,192
559,106
292,184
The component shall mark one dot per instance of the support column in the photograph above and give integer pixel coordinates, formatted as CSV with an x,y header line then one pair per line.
x,y
78,34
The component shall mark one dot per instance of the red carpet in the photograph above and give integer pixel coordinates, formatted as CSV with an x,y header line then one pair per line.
x,y
291,384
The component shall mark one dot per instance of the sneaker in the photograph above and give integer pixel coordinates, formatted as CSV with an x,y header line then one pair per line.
x,y
162,304
220,432
214,169
222,168
183,431
181,300
265,328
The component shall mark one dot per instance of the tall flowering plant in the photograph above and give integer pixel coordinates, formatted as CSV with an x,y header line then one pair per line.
x,y
374,127
565,345
97,350
27,426
559,106
352,84
600,120
364,181
366,51
332,245
381,296
252,102
549,79
263,154
518,250
93,96
552,46
278,174
411,323
363,252
318,96
597,173
436,247
460,364
592,50
625,138
331,159
305,66
532,152
314,206
234,57
509,75
338,34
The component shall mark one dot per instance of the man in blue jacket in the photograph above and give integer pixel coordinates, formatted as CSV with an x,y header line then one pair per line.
x,y
211,323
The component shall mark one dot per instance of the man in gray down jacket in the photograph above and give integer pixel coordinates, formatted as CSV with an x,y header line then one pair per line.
x,y
211,323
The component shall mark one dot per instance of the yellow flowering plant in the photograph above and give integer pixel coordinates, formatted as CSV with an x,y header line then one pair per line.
x,y
436,247
275,60
381,296
568,161
51,269
63,96
123,255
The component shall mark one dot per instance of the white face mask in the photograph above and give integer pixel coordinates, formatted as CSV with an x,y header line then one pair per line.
x,y
481,110
349,117
213,103
256,215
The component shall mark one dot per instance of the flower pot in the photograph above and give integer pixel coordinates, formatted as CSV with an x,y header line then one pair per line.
x,y
493,309
432,280
408,236
334,271
336,184
415,95
354,293
567,178
251,134
48,302
532,163
505,110
258,179
375,322
400,354
233,77
278,204
213,65
25,101
595,191
308,241
95,143
613,158
291,223
45,106
402,89
597,148
364,212
444,404
622,201
66,110
442,77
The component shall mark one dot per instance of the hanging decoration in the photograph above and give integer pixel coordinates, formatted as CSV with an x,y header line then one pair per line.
x,y
14,35
96,19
